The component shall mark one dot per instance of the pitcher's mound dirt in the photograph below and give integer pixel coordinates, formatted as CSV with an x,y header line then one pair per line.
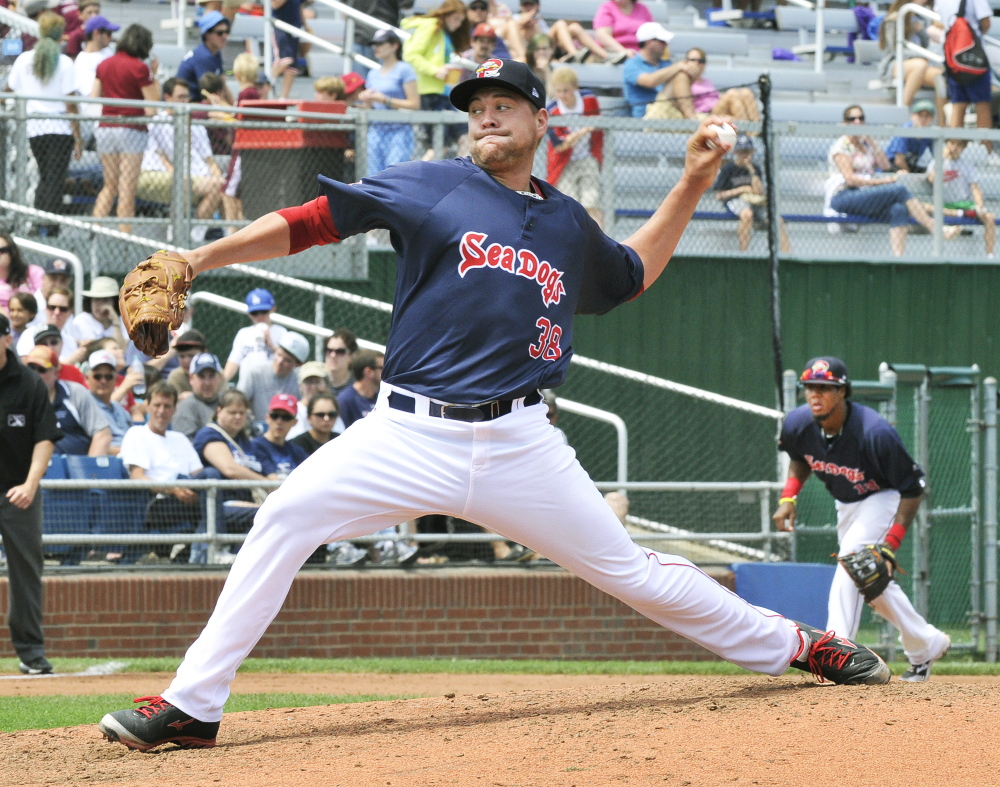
x,y
670,731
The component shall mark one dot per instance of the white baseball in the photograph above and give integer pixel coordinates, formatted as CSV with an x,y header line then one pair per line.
x,y
726,135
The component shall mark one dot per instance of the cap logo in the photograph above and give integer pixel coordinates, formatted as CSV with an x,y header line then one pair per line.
x,y
821,366
489,68
534,92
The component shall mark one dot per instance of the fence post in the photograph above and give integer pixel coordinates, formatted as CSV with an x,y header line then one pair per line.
x,y
20,159
608,182
211,525
181,197
319,342
990,516
938,190
975,546
921,556
887,376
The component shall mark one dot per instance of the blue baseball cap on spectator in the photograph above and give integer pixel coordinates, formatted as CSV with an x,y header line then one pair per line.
x,y
210,20
100,23
205,361
259,300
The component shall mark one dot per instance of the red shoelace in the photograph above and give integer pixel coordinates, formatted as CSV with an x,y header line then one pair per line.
x,y
157,704
821,654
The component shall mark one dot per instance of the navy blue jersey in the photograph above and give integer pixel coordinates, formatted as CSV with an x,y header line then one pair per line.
x,y
867,457
488,278
353,406
277,459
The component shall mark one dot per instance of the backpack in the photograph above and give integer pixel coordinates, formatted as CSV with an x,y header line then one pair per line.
x,y
870,31
965,59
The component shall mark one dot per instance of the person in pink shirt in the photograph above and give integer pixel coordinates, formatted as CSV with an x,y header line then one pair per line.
x,y
616,23
692,96
15,275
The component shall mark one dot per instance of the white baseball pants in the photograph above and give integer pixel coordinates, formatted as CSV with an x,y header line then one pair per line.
x,y
515,476
859,524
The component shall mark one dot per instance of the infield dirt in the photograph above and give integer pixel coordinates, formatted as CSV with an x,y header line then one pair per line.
x,y
547,731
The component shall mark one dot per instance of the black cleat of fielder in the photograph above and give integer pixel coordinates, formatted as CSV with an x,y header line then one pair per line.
x,y
838,660
157,723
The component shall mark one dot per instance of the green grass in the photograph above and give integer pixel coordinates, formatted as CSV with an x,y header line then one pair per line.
x,y
42,713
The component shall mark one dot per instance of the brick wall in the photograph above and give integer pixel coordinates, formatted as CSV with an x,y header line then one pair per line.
x,y
470,613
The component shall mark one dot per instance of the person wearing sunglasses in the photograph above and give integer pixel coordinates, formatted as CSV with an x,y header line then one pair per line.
x,y
28,433
278,455
322,415
50,338
877,487
694,97
101,378
258,341
861,184
206,58
313,378
340,348
58,314
15,274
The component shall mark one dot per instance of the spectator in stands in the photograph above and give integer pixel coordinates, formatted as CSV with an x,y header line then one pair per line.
x,y
740,187
286,46
49,336
478,13
855,185
57,273
45,72
356,401
76,39
321,415
58,310
155,452
98,47
84,426
539,57
651,68
573,42
225,448
120,143
340,349
21,308
690,95
197,410
616,24
434,38
15,274
28,434
905,152
206,58
391,86
575,156
125,380
101,377
279,456
188,345
484,44
387,11
263,380
247,73
963,196
100,313
314,378
256,342
980,16
215,95
157,176
917,71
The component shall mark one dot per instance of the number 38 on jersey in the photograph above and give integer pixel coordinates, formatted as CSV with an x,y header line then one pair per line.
x,y
547,347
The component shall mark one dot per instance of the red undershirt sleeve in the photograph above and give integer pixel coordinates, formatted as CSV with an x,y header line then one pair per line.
x,y
309,225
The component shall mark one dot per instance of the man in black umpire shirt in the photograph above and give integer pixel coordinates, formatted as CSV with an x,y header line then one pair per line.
x,y
28,432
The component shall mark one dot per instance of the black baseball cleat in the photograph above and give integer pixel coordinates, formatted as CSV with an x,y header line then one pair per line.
x,y
838,660
157,723
39,666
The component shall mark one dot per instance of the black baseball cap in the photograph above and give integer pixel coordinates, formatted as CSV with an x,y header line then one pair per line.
x,y
382,36
48,332
501,73
4,325
191,338
825,370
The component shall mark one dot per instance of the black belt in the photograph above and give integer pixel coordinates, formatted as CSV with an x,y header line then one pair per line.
x,y
472,413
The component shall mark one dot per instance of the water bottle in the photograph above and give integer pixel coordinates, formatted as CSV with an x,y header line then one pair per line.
x,y
139,389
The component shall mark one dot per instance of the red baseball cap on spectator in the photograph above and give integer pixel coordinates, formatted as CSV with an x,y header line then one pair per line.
x,y
352,82
43,356
483,30
285,402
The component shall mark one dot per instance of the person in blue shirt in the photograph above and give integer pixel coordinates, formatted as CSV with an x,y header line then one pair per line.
x,y
877,486
650,69
493,265
358,399
207,56
277,455
905,152
392,86
101,376
286,63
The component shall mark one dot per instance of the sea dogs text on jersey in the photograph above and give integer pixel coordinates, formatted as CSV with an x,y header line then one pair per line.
x,y
852,474
521,263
